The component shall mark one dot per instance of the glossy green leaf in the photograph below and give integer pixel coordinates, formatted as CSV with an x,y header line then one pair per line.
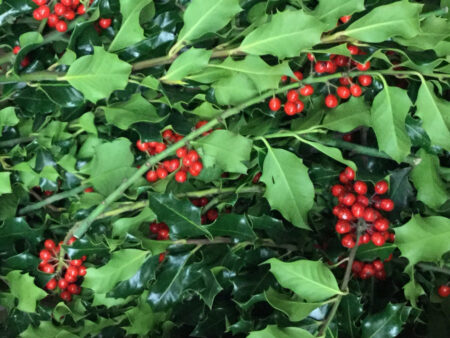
x,y
182,217
46,329
23,288
348,314
226,150
334,153
140,317
348,116
435,114
400,18
234,226
431,189
294,308
388,323
190,62
130,31
98,75
206,16
5,183
329,11
370,251
288,186
125,225
310,280
389,111
122,266
7,118
272,331
85,247
286,35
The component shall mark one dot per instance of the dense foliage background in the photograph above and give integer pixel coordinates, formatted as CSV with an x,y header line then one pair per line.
x,y
258,256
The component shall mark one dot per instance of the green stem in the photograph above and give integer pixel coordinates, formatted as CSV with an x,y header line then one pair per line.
x,y
14,141
36,76
430,267
437,12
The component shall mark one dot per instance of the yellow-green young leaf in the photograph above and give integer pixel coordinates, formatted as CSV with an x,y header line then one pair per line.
x,y
288,186
98,75
412,289
435,114
389,111
310,280
400,18
226,150
334,153
272,331
122,266
206,16
329,11
130,31
23,288
285,35
425,176
348,116
190,62
5,184
423,238
206,111
7,118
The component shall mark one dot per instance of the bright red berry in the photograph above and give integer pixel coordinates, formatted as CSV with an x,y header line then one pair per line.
x,y
348,241
167,134
76,262
331,101
349,173
378,265
151,176
82,271
386,204
292,95
104,23
363,200
45,255
66,296
181,176
88,190
307,90
81,10
62,284
369,215
142,146
381,187
320,67
274,104
444,291
365,80
212,215
298,76
378,239
160,147
69,15
72,271
51,284
74,289
345,81
290,108
343,227
343,178
196,168
363,66
357,266
353,49
40,2
310,57
163,234
367,271
358,210
345,18
16,50
192,155
345,214
161,173
381,224
181,152
364,239
161,257
330,66
299,106
61,26
360,187
348,199
66,2
337,189
59,9
355,90
48,268
340,60
343,92
49,244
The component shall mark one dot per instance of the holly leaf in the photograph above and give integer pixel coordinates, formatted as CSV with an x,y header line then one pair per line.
x,y
285,35
425,176
130,31
23,288
348,116
98,75
226,150
46,329
398,19
310,280
84,247
182,217
234,226
272,331
7,118
125,225
5,183
140,317
389,110
368,252
331,10
206,16
435,114
122,266
334,153
288,186
388,323
190,62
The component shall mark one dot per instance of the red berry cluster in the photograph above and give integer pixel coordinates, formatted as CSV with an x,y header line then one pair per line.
x,y
444,291
186,160
366,270
63,10
73,268
356,209
161,230
208,217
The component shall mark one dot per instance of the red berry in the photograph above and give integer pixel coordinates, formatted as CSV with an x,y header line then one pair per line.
x,y
181,152
343,227
48,268
45,255
330,66
391,237
353,49
49,244
348,199
307,90
381,187
331,101
363,200
51,284
274,104
364,239
167,134
310,57
345,81
76,262
337,189
142,146
256,178
44,11
71,240
161,257
386,204
61,26
369,215
363,66
284,78
355,90
212,215
66,2
378,265
163,234
195,168
320,67
82,271
343,178
151,176
345,18
81,10
72,271
290,108
59,9
348,241
16,49
200,124
381,224
161,173
365,80
292,95
40,2
298,76
299,106
66,296
444,291
358,210
62,284
345,214
367,271
349,173
104,23
181,176
378,239
160,147
336,210
357,266
69,15
192,155
380,274
340,60
88,190
343,92
360,187
74,289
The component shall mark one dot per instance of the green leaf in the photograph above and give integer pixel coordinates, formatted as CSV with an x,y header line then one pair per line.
x,y
182,217
206,111
389,111
98,75
423,238
234,226
140,317
87,123
111,165
334,153
5,184
272,331
46,329
130,31
369,251
18,229
388,323
294,308
412,289
226,150
348,314
206,16
136,109
435,114
23,288
190,62
348,116
129,224
122,266
7,118
84,247
286,35
288,186
425,176
400,18
329,11
310,280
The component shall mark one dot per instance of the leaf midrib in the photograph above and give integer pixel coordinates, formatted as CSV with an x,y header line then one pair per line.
x,y
335,291
371,27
